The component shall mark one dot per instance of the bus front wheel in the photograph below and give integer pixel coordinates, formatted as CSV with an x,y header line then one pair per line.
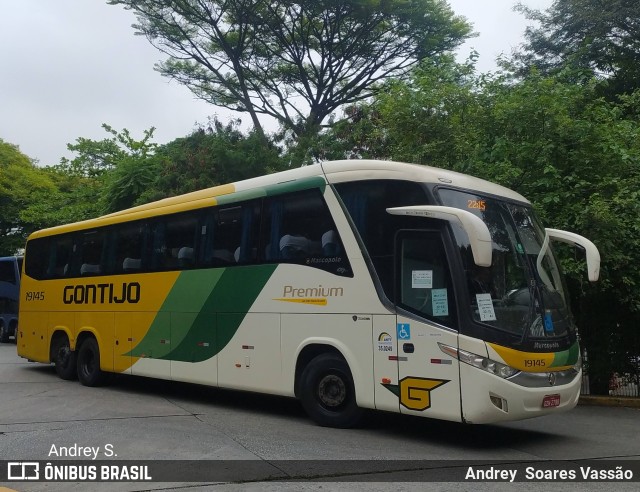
x,y
327,392
64,359
89,372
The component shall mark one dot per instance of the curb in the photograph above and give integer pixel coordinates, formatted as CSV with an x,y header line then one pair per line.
x,y
609,401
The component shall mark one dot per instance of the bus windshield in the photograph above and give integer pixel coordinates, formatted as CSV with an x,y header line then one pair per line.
x,y
523,291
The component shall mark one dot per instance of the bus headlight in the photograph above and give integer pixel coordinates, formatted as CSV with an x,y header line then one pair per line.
x,y
501,370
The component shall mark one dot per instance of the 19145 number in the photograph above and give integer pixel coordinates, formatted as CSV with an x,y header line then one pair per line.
x,y
35,296
535,363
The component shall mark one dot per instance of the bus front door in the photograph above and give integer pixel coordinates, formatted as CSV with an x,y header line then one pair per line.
x,y
428,379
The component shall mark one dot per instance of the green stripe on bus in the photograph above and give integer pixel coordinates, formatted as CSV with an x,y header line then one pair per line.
x,y
297,185
273,190
222,313
567,357
205,308
189,294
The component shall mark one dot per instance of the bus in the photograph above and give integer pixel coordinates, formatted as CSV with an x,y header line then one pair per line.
x,y
10,268
349,285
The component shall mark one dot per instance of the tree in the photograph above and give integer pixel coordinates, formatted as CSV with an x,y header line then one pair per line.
x,y
20,181
72,199
297,62
210,156
122,167
599,37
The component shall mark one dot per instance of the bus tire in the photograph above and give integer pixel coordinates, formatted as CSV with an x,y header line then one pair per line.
x,y
327,392
64,359
89,372
4,334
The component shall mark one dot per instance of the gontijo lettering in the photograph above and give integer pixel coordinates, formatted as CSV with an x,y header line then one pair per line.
x,y
102,293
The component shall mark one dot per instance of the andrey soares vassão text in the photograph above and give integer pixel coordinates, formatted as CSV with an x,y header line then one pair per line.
x,y
558,474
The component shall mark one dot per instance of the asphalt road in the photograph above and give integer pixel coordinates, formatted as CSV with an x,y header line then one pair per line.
x,y
142,419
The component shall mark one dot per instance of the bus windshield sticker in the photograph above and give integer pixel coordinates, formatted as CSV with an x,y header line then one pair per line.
x,y
422,279
440,302
485,307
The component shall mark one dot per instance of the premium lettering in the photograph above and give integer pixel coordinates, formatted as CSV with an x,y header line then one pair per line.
x,y
319,291
102,293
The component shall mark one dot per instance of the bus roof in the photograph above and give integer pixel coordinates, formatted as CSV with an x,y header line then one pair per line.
x,y
333,171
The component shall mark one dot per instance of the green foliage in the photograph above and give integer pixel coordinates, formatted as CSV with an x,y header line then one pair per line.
x,y
73,198
208,157
297,62
20,181
592,35
119,168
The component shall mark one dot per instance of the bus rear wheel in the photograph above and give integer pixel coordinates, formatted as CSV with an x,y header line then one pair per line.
x,y
64,359
89,372
327,392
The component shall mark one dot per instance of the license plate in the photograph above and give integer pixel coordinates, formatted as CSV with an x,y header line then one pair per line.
x,y
551,401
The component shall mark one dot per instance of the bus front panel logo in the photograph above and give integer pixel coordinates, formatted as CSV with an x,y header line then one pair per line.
x,y
415,393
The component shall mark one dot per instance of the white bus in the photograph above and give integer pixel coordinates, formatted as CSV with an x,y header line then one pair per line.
x,y
350,285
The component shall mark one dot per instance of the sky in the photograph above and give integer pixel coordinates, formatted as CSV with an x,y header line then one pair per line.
x,y
68,66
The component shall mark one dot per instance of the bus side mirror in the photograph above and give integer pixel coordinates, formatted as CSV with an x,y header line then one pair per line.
x,y
593,255
476,229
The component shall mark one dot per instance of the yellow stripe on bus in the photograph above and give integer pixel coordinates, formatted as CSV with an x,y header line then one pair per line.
x,y
317,301
526,361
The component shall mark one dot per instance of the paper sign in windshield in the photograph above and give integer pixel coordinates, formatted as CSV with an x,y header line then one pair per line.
x,y
439,302
485,307
421,279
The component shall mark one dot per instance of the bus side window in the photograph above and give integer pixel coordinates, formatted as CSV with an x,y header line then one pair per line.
x,y
236,234
298,228
39,265
60,250
129,247
91,249
174,241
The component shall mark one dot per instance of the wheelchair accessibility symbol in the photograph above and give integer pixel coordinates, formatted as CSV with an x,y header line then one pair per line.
x,y
404,331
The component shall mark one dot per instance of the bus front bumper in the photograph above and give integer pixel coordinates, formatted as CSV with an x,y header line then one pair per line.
x,y
487,398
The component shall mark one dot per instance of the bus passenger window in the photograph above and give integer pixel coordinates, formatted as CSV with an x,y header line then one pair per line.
x,y
298,228
42,259
236,234
129,247
330,243
91,252
174,240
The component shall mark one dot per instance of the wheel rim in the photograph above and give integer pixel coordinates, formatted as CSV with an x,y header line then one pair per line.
x,y
332,391
88,363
